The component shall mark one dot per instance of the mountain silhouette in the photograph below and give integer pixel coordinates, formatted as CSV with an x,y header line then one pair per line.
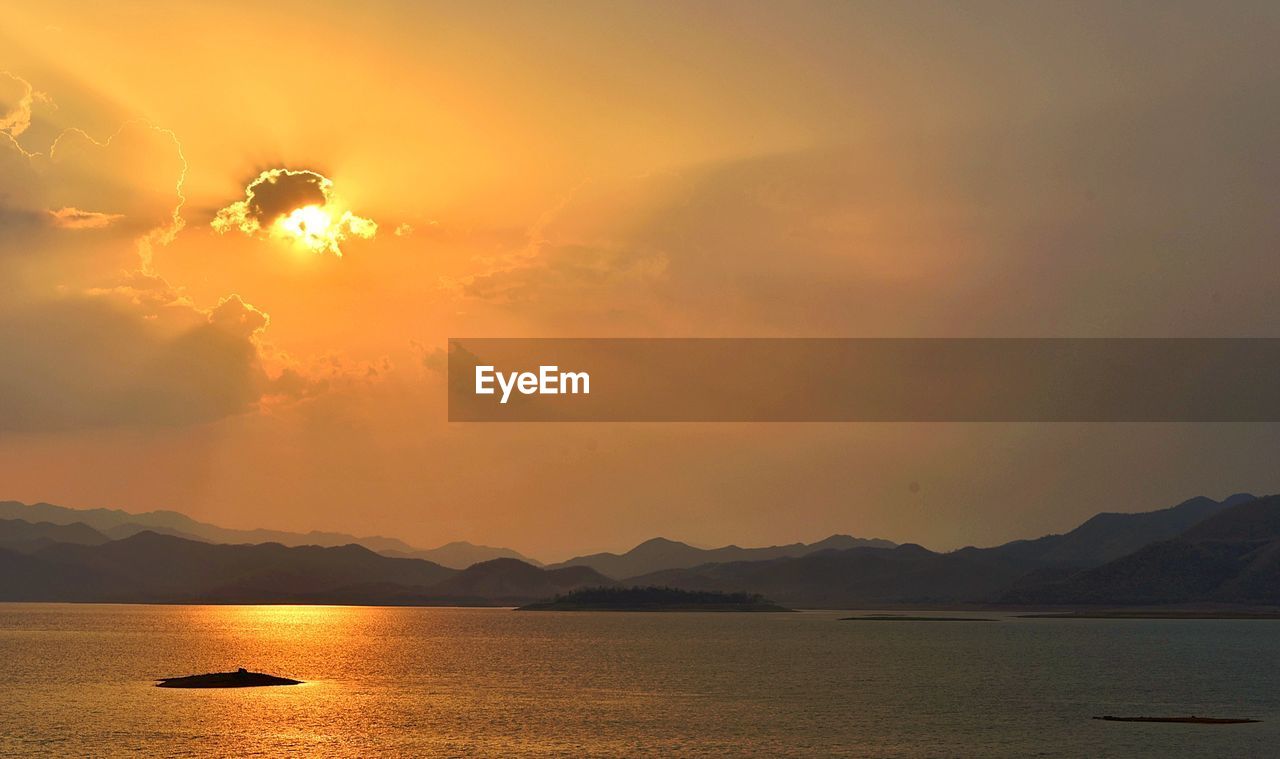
x,y
20,535
1201,551
1232,557
152,568
658,554
149,567
1109,536
117,524
912,575
460,554
514,581
907,574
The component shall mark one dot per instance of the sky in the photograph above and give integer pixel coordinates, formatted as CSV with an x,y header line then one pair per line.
x,y
235,238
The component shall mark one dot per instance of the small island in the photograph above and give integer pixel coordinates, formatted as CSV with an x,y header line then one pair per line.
x,y
653,599
1192,720
241,678
910,618
1157,613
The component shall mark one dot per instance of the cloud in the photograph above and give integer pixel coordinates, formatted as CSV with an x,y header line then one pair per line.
x,y
238,318
296,381
273,194
16,100
20,186
107,359
563,271
295,206
131,182
74,218
574,250
1136,219
136,174
91,335
434,358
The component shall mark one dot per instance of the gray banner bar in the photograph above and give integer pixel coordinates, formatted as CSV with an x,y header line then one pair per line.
x,y
864,380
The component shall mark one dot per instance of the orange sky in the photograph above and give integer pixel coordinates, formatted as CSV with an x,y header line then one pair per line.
x,y
614,169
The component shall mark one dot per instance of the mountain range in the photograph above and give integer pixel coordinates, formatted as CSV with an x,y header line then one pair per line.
x,y
1016,572
148,567
1201,551
116,524
1232,557
906,574
650,556
660,553
1109,536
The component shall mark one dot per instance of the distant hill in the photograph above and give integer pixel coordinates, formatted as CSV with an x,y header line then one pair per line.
x,y
1198,551
1254,521
514,581
461,554
23,536
907,574
1232,557
152,568
149,567
911,575
1109,536
660,553
117,524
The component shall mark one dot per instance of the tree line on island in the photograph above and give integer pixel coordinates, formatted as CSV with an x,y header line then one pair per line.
x,y
653,598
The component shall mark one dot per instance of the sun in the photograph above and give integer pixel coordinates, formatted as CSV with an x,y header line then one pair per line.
x,y
310,227
298,207
320,228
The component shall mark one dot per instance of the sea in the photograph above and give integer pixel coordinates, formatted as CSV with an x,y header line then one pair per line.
x,y
78,680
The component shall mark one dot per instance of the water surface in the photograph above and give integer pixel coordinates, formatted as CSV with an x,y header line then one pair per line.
x,y
78,680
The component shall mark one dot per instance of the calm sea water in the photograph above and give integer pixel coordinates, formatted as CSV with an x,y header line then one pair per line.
x,y
77,681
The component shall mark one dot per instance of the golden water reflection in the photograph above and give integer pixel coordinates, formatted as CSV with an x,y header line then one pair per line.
x,y
79,681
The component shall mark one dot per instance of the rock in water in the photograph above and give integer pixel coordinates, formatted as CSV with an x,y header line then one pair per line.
x,y
241,678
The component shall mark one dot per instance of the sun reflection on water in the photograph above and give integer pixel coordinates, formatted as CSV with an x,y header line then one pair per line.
x,y
286,640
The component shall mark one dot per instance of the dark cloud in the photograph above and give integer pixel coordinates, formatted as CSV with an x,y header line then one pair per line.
x,y
278,195
276,192
103,360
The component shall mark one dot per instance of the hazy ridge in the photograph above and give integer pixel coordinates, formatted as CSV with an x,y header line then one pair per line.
x,y
117,524
1200,551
